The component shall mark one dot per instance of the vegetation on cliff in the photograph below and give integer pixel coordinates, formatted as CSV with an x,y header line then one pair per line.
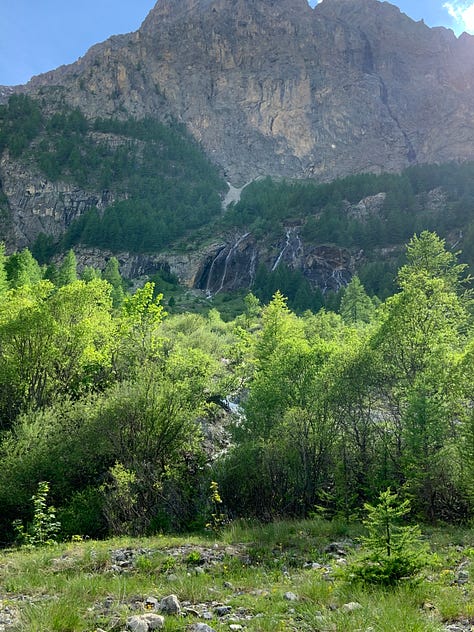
x,y
162,181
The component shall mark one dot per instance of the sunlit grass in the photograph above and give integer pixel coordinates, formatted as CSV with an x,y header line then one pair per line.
x,y
73,587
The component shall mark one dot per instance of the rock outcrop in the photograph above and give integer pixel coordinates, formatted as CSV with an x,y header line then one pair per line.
x,y
282,89
232,264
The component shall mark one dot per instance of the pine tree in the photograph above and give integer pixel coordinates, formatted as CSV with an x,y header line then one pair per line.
x,y
356,305
67,272
3,272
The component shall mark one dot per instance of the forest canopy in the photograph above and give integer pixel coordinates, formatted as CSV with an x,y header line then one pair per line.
x,y
119,406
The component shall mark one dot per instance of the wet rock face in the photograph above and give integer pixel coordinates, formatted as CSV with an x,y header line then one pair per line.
x,y
279,88
232,265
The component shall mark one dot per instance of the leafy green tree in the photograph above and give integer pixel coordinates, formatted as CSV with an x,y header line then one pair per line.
x,y
112,275
422,328
140,343
22,269
90,273
427,254
393,551
44,527
287,430
53,341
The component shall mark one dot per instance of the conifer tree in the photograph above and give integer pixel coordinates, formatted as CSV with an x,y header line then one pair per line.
x,y
67,272
3,272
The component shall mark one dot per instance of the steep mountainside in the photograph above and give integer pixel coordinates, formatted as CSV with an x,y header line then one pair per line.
x,y
279,88
103,151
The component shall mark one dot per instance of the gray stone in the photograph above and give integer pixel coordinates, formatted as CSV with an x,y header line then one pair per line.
x,y
200,627
172,577
290,596
351,606
338,549
154,621
170,605
137,624
151,603
221,611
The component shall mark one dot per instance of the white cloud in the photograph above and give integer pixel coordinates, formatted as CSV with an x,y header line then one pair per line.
x,y
462,13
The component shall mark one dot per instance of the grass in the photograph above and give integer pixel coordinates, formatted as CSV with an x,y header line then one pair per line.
x,y
74,587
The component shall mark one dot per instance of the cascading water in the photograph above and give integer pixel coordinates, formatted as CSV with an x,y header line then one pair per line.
x,y
292,245
211,270
339,281
228,258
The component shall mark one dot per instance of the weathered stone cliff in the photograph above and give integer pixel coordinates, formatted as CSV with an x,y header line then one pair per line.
x,y
279,88
268,87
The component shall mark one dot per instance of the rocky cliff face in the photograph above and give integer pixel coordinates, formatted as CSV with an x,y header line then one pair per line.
x,y
37,205
268,87
279,88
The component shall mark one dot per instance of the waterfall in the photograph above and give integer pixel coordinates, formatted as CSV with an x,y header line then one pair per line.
x,y
228,258
209,275
287,243
337,275
253,267
295,249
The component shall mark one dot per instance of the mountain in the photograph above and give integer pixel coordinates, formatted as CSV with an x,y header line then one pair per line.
x,y
278,88
265,88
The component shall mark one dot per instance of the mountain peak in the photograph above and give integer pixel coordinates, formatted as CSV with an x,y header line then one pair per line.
x,y
273,87
177,10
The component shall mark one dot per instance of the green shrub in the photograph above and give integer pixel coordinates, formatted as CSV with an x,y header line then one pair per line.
x,y
44,528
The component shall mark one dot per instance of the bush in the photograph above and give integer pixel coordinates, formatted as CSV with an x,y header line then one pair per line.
x,y
44,528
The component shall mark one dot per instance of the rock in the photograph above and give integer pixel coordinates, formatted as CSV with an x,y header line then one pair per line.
x,y
151,603
352,86
352,606
299,96
154,621
137,624
235,627
290,596
221,611
200,627
338,549
170,605
145,622
462,578
172,577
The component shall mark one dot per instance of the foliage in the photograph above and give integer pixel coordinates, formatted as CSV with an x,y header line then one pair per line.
x,y
128,411
217,518
391,552
44,527
52,342
3,272
162,182
267,561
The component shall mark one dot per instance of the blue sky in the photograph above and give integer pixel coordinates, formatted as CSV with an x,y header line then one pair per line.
x,y
39,35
